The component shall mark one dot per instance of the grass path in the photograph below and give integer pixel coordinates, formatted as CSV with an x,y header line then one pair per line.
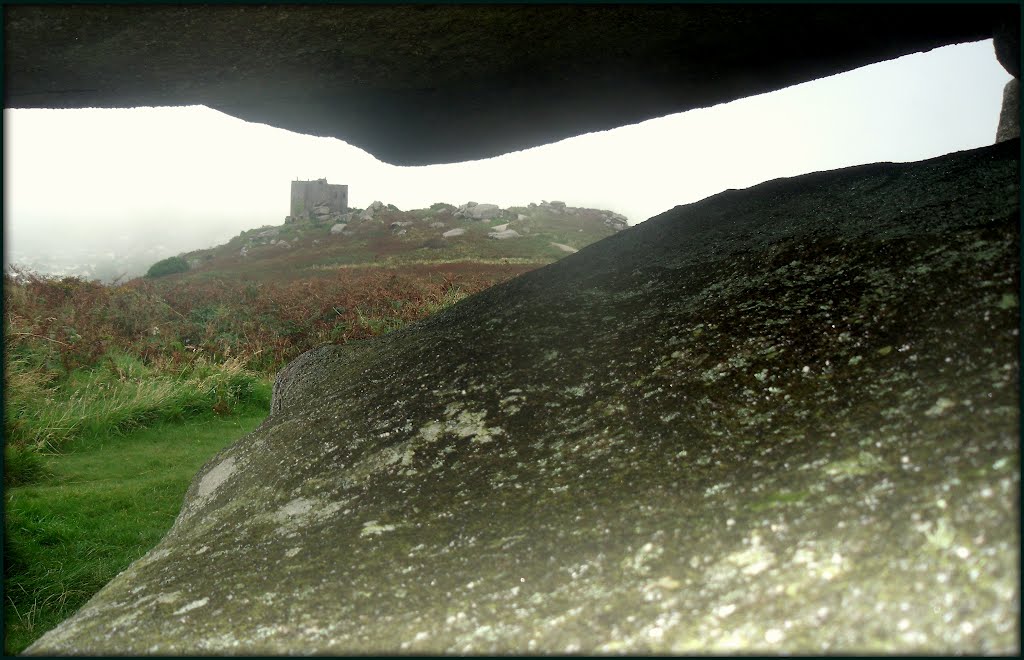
x,y
108,501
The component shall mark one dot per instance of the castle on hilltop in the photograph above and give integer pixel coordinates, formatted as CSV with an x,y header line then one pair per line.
x,y
312,200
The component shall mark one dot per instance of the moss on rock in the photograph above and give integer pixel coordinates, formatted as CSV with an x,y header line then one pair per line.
x,y
687,437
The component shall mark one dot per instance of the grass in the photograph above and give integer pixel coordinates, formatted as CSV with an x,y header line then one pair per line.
x,y
105,502
46,411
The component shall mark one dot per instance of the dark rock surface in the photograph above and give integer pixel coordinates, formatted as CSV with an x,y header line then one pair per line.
x,y
1009,114
779,419
444,83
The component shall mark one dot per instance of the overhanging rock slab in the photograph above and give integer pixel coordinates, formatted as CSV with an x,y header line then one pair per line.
x,y
779,419
420,84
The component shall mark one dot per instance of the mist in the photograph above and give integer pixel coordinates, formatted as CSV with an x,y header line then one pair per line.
x,y
106,193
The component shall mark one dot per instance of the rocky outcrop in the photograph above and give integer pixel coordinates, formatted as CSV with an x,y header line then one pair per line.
x,y
781,419
1009,115
474,211
338,228
615,221
538,74
370,211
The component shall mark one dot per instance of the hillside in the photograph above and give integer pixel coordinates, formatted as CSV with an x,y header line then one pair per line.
x,y
381,234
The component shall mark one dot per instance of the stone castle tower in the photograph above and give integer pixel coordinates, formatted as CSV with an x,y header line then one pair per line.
x,y
317,199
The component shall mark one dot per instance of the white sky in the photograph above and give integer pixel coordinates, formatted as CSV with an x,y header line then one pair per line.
x,y
191,177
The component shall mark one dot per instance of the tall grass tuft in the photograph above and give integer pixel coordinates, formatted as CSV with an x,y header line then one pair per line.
x,y
119,395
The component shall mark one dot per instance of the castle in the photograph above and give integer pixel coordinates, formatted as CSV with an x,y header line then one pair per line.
x,y
313,200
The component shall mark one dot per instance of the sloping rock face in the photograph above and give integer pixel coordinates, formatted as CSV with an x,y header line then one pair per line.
x,y
447,83
779,419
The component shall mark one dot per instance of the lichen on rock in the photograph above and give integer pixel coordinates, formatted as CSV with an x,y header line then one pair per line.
x,y
781,419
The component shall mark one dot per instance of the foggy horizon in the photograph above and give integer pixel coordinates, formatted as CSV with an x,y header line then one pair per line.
x,y
147,183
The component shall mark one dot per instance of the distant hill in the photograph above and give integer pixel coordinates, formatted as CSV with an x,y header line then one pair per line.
x,y
384,235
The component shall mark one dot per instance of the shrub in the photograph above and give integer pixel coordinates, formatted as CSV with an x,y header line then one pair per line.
x,y
167,267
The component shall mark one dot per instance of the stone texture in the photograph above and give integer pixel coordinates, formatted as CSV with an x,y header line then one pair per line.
x,y
371,210
452,233
782,419
455,82
616,221
502,235
1009,115
338,228
1006,42
484,211
474,211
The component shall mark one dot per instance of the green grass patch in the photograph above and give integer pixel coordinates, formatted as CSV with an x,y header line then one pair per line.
x,y
102,505
118,394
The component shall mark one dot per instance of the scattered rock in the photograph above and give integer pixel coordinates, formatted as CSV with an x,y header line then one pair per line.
x,y
284,244
398,225
451,233
565,248
338,228
437,225
268,233
243,252
500,227
501,235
